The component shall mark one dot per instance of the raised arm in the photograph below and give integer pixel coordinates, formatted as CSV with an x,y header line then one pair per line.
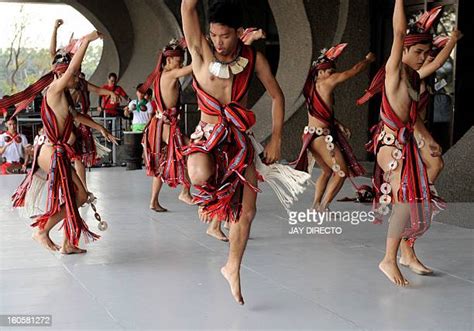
x,y
394,62
54,36
195,40
340,77
264,74
75,64
430,68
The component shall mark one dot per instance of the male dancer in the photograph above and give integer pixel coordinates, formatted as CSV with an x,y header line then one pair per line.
x,y
400,176
221,156
324,137
54,151
163,141
430,150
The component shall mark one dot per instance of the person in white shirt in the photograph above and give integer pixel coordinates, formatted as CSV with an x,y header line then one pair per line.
x,y
12,148
142,111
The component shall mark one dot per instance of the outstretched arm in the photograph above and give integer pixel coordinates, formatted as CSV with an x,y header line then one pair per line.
x,y
96,126
54,36
102,91
394,62
182,72
442,57
262,68
341,77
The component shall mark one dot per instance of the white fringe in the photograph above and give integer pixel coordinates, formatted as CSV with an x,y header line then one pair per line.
x,y
285,181
100,149
34,196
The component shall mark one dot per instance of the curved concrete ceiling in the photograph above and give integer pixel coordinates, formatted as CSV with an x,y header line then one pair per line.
x,y
131,43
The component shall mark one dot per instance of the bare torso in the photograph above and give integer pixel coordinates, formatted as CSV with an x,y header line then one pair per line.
x,y
219,88
399,97
58,103
326,93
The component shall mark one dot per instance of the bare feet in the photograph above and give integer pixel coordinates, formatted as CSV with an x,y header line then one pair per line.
x,y
390,269
68,248
216,232
416,266
158,208
42,237
186,197
233,278
410,260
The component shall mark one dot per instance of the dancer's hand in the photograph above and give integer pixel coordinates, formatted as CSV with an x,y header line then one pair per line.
x,y
114,97
435,149
58,23
370,57
345,130
93,36
256,35
272,151
109,136
456,35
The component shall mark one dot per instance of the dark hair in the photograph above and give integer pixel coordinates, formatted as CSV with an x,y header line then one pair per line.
x,y
139,85
226,12
113,74
149,92
62,57
12,118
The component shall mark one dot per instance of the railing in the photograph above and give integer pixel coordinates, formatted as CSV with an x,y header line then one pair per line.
x,y
117,125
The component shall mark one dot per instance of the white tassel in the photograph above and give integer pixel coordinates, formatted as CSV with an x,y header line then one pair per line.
x,y
100,149
285,181
34,196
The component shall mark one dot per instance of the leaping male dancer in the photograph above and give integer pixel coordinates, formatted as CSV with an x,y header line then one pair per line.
x,y
221,156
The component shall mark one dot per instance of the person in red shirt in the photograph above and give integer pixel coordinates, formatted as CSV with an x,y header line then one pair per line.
x,y
105,103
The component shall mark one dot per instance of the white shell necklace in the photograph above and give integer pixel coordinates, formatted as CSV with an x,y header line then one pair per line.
x,y
223,69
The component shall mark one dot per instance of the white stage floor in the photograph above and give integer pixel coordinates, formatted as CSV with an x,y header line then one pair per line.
x,y
161,271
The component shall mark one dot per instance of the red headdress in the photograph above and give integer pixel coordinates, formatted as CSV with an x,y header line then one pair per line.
x,y
174,48
61,62
328,58
420,31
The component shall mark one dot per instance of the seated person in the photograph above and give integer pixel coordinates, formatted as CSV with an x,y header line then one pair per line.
x,y
13,147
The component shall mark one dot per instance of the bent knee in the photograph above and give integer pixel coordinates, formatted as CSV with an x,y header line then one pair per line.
x,y
326,172
199,176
